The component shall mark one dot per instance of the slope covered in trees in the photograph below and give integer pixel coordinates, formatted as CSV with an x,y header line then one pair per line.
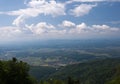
x,y
105,71
15,72
93,72
41,72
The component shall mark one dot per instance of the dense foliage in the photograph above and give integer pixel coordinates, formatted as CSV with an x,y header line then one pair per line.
x,y
105,71
93,72
41,72
15,72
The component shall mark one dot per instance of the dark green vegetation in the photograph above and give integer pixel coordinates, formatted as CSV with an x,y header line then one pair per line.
x,y
41,72
105,71
15,72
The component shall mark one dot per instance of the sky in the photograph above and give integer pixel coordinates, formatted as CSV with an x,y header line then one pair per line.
x,y
59,19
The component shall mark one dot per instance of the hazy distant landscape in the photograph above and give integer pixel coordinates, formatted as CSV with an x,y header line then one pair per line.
x,y
57,53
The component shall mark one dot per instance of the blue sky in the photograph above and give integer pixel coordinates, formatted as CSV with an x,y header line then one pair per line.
x,y
61,19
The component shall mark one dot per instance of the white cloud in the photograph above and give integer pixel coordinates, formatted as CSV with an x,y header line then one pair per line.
x,y
19,21
35,8
87,0
44,29
67,24
94,1
78,28
40,28
31,12
45,25
48,8
53,8
81,26
100,27
9,31
58,32
84,28
81,10
104,28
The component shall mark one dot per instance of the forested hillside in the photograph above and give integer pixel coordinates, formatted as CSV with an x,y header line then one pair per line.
x,y
41,72
15,72
105,71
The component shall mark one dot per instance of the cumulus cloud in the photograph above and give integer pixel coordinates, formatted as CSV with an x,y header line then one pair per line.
x,y
94,1
90,1
40,28
81,10
67,29
35,8
9,31
84,28
104,28
48,8
53,8
19,21
100,27
32,31
67,24
78,28
70,28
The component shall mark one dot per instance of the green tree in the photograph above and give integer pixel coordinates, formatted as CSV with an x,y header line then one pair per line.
x,y
15,72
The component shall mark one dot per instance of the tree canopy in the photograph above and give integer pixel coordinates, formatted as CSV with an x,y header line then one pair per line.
x,y
15,72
